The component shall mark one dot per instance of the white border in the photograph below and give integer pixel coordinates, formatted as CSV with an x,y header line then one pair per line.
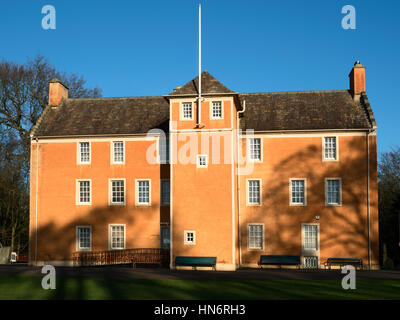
x,y
78,152
137,203
323,148
184,238
310,252
305,193
263,236
109,235
181,118
326,192
247,192
110,203
112,151
198,161
77,194
77,238
211,110
248,149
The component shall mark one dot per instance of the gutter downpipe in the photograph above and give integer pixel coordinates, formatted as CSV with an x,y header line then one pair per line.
x,y
368,205
238,180
36,200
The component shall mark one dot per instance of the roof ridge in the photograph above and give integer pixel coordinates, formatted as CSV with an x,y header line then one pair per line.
x,y
368,110
293,92
116,98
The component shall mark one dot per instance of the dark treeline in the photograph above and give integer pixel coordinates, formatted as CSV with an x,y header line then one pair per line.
x,y
389,207
23,96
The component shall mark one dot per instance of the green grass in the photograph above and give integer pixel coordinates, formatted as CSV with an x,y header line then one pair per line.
x,y
29,287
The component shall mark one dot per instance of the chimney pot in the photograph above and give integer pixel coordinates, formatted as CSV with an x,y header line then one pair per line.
x,y
58,91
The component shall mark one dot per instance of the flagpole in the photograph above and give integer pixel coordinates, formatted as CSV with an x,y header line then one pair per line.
x,y
199,103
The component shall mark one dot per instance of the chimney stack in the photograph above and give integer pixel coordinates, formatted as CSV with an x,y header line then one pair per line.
x,y
57,92
357,80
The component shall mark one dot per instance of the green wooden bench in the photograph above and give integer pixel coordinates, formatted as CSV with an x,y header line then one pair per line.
x,y
279,260
196,262
344,261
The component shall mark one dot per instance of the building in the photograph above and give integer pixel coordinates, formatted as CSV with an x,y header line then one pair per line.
x,y
246,174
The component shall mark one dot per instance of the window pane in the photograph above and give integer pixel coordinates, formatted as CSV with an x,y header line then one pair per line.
x,y
118,151
84,191
164,151
202,161
310,237
254,191
189,237
298,191
143,191
255,149
165,192
330,148
117,237
117,191
255,236
187,110
84,148
333,191
84,238
217,109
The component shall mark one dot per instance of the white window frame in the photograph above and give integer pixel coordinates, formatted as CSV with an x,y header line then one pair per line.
x,y
78,152
112,152
340,192
248,237
323,148
110,202
248,149
110,235
137,193
190,243
161,192
198,161
181,113
305,192
247,192
78,248
305,251
212,109
77,192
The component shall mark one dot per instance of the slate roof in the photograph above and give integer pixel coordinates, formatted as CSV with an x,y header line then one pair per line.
x,y
303,110
266,111
104,116
209,85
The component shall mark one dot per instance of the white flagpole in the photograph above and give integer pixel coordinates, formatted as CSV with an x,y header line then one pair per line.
x,y
199,103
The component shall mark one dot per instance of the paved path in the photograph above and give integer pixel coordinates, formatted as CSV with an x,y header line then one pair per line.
x,y
159,273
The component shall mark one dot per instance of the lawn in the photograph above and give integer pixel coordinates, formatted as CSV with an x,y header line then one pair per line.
x,y
29,287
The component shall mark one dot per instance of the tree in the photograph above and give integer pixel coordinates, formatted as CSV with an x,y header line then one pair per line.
x,y
389,206
23,97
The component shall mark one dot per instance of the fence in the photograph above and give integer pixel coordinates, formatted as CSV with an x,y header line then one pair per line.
x,y
112,257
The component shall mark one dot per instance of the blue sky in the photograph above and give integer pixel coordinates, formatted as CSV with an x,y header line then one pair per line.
x,y
138,48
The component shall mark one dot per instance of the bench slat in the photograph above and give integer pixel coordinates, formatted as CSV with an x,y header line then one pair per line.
x,y
195,261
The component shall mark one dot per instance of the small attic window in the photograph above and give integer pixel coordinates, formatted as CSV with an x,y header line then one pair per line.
x,y
187,111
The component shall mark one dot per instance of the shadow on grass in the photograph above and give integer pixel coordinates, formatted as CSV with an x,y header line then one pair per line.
x,y
80,288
